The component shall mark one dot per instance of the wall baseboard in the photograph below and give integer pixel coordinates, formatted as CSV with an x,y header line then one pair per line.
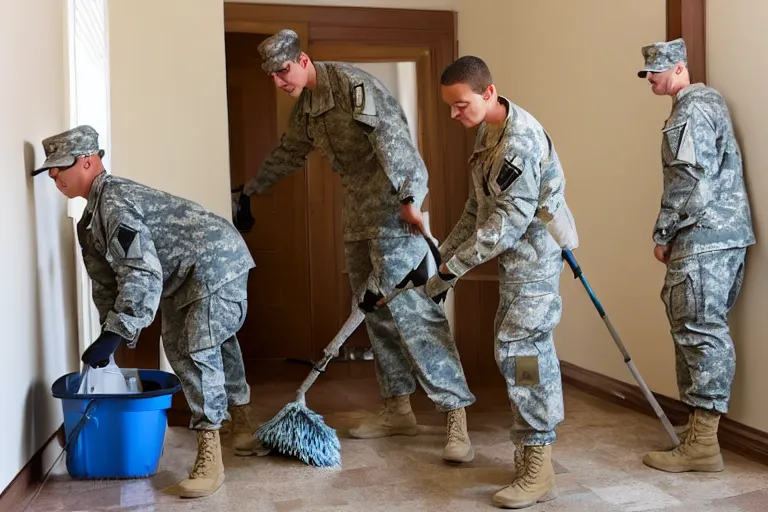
x,y
29,479
732,435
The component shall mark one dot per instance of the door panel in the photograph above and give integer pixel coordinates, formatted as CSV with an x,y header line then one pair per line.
x,y
278,320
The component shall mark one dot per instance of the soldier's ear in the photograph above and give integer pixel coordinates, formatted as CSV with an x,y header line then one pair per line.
x,y
488,92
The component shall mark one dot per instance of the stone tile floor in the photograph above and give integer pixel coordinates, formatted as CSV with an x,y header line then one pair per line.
x,y
597,460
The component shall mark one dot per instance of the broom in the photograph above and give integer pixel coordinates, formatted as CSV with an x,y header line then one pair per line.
x,y
298,431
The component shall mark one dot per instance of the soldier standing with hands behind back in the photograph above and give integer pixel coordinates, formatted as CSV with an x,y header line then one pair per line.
x,y
146,249
361,129
702,233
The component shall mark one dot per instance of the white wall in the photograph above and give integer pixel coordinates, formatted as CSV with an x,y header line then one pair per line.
x,y
573,65
736,52
169,98
37,306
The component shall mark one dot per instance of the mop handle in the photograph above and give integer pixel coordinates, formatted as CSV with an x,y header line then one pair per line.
x,y
578,274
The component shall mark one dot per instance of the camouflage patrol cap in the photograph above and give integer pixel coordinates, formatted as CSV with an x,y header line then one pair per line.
x,y
279,48
660,57
62,150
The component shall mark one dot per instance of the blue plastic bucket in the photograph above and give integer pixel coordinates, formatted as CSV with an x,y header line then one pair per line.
x,y
116,436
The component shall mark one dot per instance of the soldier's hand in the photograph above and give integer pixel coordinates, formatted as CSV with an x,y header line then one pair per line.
x,y
244,220
411,215
661,252
98,353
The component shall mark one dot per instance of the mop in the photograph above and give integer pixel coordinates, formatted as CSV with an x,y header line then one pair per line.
x,y
298,431
578,274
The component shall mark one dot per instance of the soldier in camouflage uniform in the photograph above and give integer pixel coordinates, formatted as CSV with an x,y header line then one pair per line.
x,y
361,129
516,203
701,234
145,249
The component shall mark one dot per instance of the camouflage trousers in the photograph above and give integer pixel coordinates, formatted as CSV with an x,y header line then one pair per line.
x,y
525,352
410,337
200,343
698,293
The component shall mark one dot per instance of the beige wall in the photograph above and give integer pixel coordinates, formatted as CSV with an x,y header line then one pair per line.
x,y
440,5
736,50
169,98
573,66
37,314
578,79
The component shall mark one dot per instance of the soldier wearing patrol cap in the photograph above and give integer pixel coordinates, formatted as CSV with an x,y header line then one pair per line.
x,y
361,129
701,234
146,250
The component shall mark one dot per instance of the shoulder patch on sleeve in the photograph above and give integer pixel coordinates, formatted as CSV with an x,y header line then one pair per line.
x,y
508,173
129,241
362,101
680,142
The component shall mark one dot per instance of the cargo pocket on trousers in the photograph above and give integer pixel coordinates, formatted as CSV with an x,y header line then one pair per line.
x,y
681,301
522,336
229,308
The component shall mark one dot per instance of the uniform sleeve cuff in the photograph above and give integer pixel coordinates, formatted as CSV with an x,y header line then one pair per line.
x,y
456,267
115,324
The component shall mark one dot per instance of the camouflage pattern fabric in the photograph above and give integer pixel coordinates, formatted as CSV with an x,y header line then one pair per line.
x,y
361,129
141,244
525,352
410,337
517,183
704,205
201,346
145,249
699,292
662,56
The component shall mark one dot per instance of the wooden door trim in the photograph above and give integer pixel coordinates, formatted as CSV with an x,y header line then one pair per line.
x,y
434,31
687,19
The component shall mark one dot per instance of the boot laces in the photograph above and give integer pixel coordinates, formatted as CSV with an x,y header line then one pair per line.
x,y
530,467
455,430
519,460
205,455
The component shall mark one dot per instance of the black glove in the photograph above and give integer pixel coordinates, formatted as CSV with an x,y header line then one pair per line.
x,y
244,220
369,301
97,355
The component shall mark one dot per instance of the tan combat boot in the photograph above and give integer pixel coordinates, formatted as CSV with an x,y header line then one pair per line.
x,y
699,450
395,418
208,472
534,480
242,433
458,447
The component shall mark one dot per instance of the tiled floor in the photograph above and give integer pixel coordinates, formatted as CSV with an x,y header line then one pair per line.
x,y
597,460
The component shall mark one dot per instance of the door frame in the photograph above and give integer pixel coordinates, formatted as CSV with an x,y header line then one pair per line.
x,y
418,34
427,38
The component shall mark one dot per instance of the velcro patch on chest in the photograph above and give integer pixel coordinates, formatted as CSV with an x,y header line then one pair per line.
x,y
363,103
680,143
129,240
508,174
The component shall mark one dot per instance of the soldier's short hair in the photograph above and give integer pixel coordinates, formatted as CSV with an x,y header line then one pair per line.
x,y
469,70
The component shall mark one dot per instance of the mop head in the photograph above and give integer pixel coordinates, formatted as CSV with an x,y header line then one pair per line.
x,y
300,432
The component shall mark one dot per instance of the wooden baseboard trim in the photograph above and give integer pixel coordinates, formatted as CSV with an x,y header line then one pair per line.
x,y
732,435
29,479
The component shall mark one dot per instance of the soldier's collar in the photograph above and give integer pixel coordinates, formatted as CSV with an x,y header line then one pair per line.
x,y
489,136
321,97
682,93
95,193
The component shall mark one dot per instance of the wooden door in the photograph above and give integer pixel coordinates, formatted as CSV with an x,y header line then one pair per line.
x,y
278,321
